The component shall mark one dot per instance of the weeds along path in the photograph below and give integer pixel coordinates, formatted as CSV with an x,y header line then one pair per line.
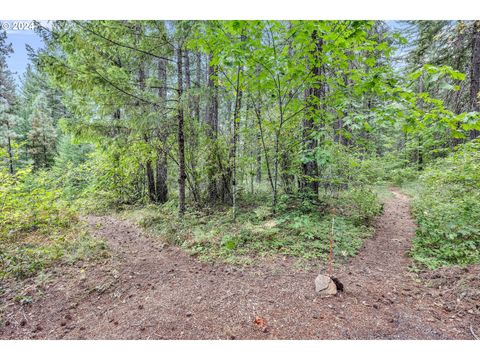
x,y
151,291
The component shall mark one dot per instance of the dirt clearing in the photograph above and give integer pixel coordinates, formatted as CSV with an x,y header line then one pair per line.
x,y
151,291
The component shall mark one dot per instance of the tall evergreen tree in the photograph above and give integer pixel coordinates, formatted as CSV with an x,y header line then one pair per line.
x,y
8,101
42,135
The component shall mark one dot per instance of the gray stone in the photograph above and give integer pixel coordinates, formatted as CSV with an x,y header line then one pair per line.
x,y
325,286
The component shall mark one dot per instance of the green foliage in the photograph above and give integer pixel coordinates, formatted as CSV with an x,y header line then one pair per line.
x,y
400,176
360,204
28,204
27,259
95,126
301,228
37,227
72,171
36,251
447,209
42,134
94,179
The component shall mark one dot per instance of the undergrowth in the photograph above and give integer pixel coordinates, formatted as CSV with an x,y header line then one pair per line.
x,y
38,251
301,227
38,228
447,209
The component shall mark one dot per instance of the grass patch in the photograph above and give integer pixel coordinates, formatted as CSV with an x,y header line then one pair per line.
x,y
37,251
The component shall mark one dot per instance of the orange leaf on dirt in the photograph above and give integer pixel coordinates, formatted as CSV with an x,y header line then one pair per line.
x,y
260,321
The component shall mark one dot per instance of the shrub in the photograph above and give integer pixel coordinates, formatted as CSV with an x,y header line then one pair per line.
x,y
37,228
447,209
28,204
361,205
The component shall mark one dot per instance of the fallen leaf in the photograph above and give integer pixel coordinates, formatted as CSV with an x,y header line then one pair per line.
x,y
260,321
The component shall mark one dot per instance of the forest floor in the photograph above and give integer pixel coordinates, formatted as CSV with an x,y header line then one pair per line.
x,y
148,290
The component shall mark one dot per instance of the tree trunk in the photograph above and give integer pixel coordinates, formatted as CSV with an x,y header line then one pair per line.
x,y
161,188
161,179
192,135
150,181
10,155
181,139
475,74
211,119
234,141
313,97
9,150
259,159
198,70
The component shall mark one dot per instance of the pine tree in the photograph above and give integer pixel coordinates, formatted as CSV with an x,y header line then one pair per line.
x,y
42,135
7,102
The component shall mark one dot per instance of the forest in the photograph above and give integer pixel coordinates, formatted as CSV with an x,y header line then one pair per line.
x,y
227,152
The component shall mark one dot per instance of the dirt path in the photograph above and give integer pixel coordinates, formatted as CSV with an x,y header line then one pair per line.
x,y
148,291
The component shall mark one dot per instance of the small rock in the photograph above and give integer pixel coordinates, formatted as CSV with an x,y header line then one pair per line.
x,y
321,282
325,286
23,322
63,323
188,314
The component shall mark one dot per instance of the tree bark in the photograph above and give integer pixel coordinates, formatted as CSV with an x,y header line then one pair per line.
x,y
161,188
9,150
211,120
475,74
181,136
258,176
